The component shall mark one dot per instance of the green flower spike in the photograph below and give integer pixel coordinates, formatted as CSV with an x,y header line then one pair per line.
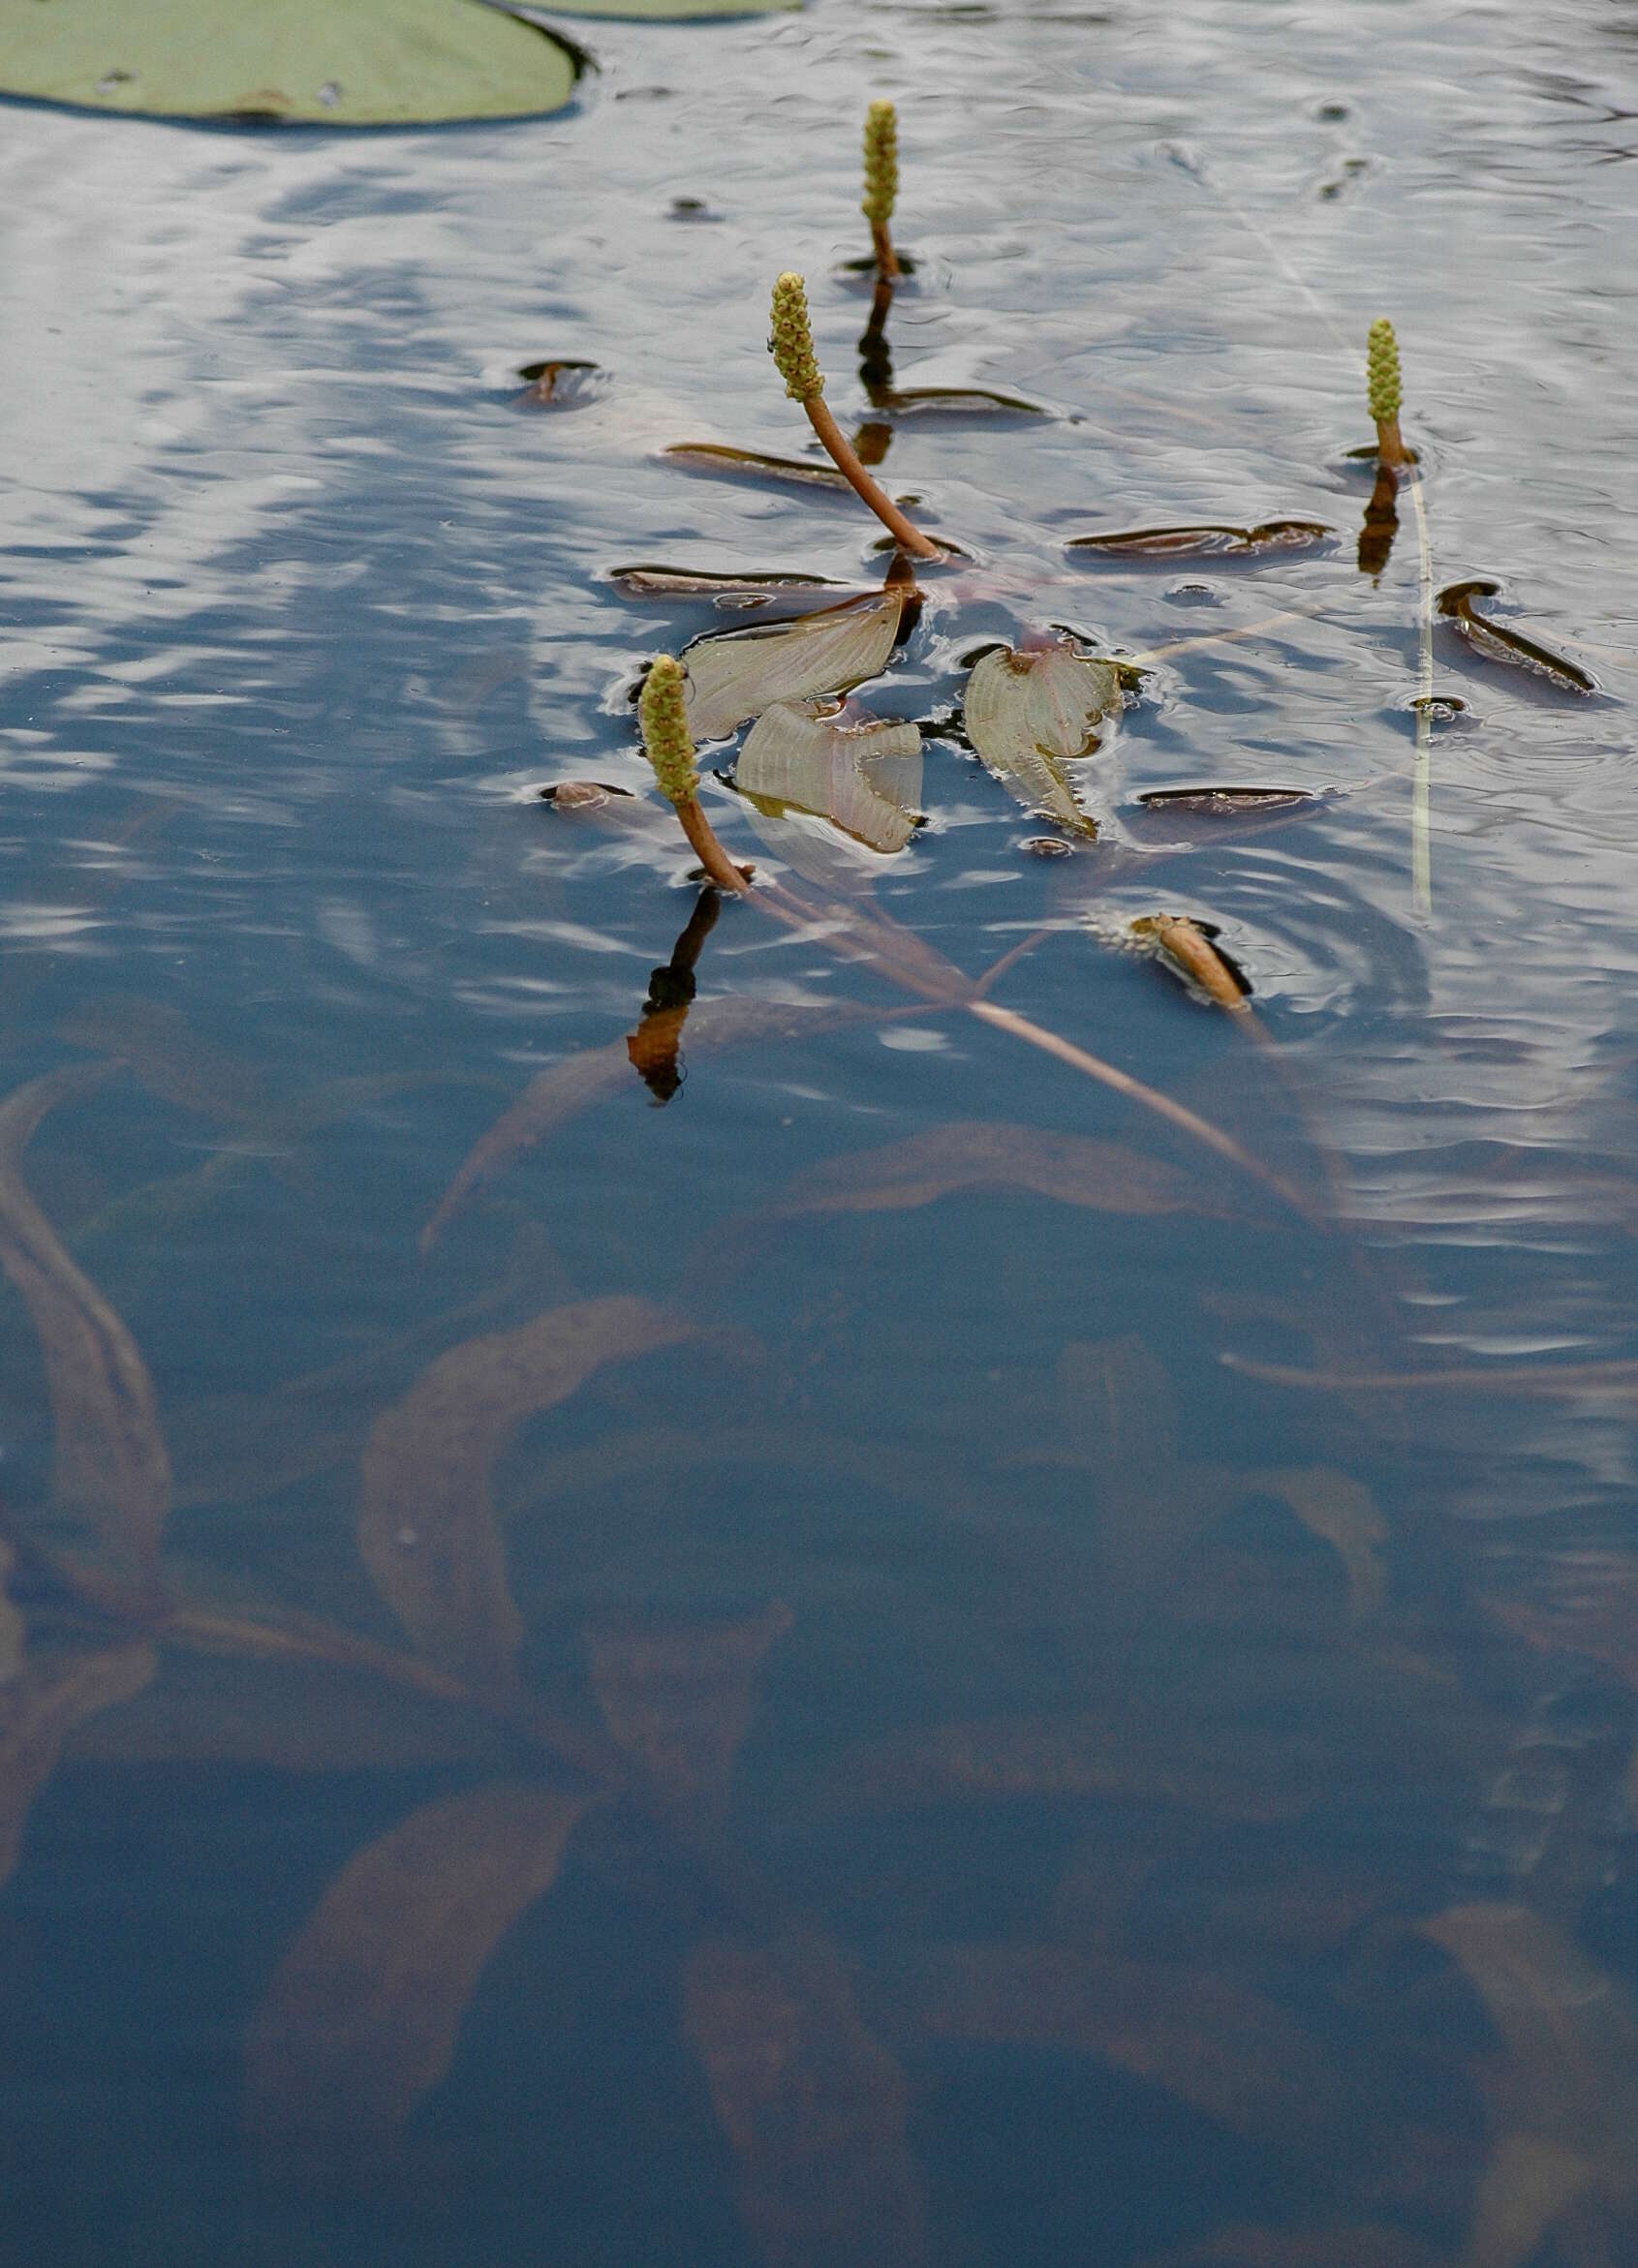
x,y
880,164
791,345
1383,381
665,735
1381,370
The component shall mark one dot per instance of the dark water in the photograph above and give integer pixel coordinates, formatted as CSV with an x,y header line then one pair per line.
x,y
786,1689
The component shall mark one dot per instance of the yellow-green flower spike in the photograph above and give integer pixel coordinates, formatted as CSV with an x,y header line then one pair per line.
x,y
880,164
666,736
1381,371
791,345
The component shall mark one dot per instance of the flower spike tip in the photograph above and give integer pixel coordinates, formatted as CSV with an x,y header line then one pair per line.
x,y
791,343
666,736
881,183
1386,392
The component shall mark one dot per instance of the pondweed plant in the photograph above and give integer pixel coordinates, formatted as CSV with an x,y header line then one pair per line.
x,y
881,184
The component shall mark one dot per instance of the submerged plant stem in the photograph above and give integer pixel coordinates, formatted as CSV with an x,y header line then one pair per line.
x,y
844,458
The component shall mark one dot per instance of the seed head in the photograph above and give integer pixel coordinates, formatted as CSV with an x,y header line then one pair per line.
x,y
1381,371
666,736
791,343
880,164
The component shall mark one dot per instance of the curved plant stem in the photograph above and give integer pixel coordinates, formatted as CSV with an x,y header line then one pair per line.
x,y
844,458
708,850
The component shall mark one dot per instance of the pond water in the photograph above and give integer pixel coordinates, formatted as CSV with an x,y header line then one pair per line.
x,y
897,1659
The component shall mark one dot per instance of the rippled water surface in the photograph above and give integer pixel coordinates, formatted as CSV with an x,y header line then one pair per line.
x,y
898,1659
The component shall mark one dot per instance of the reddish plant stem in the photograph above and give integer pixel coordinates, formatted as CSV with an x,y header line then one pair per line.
x,y
844,458
886,259
708,850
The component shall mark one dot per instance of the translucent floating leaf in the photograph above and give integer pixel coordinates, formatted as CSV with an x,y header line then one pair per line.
x,y
1490,638
709,456
668,582
1032,714
864,775
362,2016
428,1530
317,62
817,2109
1207,538
734,675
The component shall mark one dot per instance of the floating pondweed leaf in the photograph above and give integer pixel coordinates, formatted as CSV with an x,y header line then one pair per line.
x,y
577,798
1490,638
1032,713
1216,2044
320,62
427,1525
680,1700
565,1089
112,1468
952,400
815,2106
725,589
861,773
710,456
1564,2103
978,1153
361,2018
560,385
1208,539
733,675
38,1710
1228,803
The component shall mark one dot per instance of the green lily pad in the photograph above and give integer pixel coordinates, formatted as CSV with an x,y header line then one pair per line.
x,y
312,62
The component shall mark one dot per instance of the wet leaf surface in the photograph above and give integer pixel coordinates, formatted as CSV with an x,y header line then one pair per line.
x,y
680,1700
861,773
710,456
1228,803
111,1467
815,2106
952,400
1208,539
726,587
361,2017
734,675
1031,715
341,63
1498,644
426,1524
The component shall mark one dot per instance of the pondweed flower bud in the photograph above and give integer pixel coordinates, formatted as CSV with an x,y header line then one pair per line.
x,y
1381,371
666,736
880,164
791,343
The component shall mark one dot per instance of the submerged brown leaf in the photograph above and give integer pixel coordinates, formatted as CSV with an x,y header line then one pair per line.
x,y
815,2106
111,1467
1565,2103
361,2018
733,675
38,1711
680,1700
863,773
976,1153
427,1525
13,1632
1213,2044
1345,2244
1032,714
563,1089
1341,1512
